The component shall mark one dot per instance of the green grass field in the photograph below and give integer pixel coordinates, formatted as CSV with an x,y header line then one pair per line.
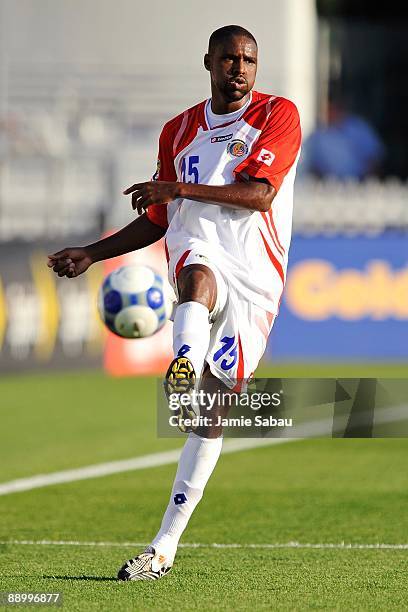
x,y
312,492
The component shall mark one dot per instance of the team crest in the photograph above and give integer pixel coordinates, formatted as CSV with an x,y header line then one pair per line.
x,y
155,176
237,148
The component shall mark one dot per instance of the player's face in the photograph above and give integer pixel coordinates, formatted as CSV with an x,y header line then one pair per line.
x,y
233,65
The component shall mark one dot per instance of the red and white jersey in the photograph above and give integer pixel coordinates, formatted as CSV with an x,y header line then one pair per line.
x,y
249,247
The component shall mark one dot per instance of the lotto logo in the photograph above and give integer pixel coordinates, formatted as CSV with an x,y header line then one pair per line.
x,y
183,350
221,138
180,498
266,157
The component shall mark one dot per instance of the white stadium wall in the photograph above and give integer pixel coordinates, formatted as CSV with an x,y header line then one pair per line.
x,y
166,37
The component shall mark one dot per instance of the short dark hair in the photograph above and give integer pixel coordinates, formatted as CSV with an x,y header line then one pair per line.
x,y
227,32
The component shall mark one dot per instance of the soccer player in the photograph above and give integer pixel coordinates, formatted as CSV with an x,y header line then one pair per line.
x,y
222,196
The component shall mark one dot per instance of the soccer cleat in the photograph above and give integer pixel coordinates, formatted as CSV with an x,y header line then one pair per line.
x,y
181,378
149,565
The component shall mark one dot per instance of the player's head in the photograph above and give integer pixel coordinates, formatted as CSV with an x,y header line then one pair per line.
x,y
232,61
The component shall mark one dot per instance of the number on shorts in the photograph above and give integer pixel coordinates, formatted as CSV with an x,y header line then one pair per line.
x,y
227,348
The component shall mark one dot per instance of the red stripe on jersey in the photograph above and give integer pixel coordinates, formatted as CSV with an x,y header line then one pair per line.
x,y
270,317
202,119
280,248
180,132
240,368
269,105
166,250
266,218
262,326
275,262
165,170
180,262
193,118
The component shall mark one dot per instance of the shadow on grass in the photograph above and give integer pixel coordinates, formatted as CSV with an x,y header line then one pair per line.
x,y
90,578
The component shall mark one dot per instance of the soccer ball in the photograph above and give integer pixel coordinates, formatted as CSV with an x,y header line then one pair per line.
x,y
133,302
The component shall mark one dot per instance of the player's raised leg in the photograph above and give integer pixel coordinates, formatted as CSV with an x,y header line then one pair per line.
x,y
191,331
197,290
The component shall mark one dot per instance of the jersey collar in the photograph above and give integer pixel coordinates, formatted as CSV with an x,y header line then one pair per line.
x,y
203,115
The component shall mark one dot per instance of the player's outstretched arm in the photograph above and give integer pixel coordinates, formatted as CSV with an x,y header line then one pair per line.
x,y
256,194
73,261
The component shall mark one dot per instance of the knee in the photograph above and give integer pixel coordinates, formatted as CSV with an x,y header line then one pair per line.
x,y
192,280
198,284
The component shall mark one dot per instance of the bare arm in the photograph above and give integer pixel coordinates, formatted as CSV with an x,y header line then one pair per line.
x,y
253,195
73,261
138,234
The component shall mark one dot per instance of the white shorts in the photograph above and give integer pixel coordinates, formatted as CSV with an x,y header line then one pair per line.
x,y
239,330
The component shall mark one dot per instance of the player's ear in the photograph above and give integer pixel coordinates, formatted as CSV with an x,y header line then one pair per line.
x,y
207,62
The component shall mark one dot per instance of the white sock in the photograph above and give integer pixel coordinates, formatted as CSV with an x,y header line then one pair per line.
x,y
191,333
197,462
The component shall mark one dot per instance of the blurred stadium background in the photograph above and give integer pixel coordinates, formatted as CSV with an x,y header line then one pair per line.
x,y
84,90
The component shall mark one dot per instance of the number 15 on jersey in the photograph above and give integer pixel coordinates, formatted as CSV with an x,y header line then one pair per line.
x,y
189,169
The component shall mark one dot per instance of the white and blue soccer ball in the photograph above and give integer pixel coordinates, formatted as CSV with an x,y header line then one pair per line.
x,y
133,302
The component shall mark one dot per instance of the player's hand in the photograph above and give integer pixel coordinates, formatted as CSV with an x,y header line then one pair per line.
x,y
152,192
70,262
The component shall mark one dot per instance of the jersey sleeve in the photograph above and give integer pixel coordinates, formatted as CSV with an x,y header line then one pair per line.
x,y
157,213
277,147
